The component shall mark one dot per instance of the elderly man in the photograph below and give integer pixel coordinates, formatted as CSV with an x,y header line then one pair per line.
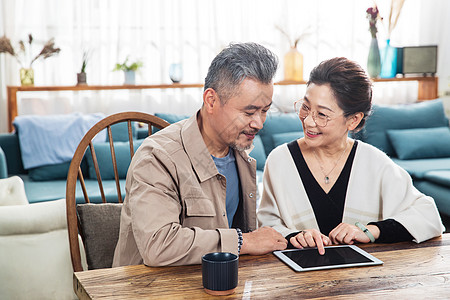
x,y
191,188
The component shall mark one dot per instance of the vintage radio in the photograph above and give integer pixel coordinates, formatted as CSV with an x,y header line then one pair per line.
x,y
417,60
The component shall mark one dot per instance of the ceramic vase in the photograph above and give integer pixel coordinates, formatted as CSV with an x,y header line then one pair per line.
x,y
176,72
388,61
293,65
374,60
81,78
130,77
26,76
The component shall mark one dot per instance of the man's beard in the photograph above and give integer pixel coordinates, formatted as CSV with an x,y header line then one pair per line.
x,y
235,146
238,148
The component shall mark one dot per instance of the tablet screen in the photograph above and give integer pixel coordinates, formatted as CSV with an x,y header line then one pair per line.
x,y
334,257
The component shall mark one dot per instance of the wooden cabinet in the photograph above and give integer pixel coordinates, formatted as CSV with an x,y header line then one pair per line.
x,y
428,89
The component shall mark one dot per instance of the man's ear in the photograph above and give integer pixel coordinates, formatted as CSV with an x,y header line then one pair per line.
x,y
210,98
355,120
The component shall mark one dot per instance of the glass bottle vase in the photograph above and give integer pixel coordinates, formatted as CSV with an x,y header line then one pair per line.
x,y
388,61
176,72
293,65
374,60
26,76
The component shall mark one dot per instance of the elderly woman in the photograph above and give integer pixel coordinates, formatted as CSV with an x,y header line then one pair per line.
x,y
326,188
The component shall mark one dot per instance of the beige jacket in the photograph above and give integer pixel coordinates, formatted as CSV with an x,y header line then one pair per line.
x,y
174,211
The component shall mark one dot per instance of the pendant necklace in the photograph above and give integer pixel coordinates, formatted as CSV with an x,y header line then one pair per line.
x,y
326,176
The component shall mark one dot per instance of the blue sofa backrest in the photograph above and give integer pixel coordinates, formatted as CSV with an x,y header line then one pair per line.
x,y
427,114
9,143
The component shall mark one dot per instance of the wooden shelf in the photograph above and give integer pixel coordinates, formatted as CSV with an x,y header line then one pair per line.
x,y
428,89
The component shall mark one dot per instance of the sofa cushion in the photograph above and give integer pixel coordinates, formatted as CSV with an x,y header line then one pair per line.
x,y
100,225
286,137
421,142
427,114
39,191
417,168
171,118
119,132
439,193
441,177
258,153
104,159
278,123
49,172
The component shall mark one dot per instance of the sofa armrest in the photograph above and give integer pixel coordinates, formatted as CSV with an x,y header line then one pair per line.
x,y
3,165
9,142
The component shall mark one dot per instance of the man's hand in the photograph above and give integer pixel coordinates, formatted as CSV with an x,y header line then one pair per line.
x,y
262,241
311,238
349,234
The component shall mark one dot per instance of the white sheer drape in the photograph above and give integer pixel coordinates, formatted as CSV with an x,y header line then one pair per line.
x,y
192,32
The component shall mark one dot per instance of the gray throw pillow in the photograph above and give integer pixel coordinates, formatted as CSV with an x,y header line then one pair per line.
x,y
100,225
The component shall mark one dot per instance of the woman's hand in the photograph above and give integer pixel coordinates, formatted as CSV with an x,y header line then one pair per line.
x,y
349,234
311,238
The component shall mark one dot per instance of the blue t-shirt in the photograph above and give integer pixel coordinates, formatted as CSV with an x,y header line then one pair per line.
x,y
227,167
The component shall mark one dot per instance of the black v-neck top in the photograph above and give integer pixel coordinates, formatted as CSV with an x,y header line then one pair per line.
x,y
329,208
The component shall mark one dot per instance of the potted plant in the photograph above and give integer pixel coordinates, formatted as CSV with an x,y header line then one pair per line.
x,y
81,77
129,70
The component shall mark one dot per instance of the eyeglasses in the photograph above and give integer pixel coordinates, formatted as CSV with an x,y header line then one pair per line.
x,y
303,111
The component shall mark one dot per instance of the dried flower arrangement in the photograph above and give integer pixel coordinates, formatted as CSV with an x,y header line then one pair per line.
x,y
24,55
293,43
394,14
373,15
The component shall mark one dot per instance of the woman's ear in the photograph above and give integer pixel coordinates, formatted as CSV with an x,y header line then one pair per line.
x,y
354,120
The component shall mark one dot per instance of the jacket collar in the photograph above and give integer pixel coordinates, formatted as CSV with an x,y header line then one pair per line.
x,y
198,153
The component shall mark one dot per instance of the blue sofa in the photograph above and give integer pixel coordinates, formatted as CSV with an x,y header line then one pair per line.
x,y
417,137
47,183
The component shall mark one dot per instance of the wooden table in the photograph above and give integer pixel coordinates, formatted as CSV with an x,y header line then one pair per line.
x,y
410,271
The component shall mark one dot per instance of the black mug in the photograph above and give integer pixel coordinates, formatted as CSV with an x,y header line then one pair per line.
x,y
220,273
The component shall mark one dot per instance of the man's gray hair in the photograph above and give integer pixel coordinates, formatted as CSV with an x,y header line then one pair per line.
x,y
236,63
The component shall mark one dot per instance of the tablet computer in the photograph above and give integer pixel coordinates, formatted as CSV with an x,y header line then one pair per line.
x,y
343,256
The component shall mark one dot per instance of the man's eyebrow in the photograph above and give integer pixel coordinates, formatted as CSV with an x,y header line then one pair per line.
x,y
255,107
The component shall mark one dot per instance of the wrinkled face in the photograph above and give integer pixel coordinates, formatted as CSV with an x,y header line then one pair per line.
x,y
238,120
321,103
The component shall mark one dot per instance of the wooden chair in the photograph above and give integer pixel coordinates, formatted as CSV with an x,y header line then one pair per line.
x,y
105,215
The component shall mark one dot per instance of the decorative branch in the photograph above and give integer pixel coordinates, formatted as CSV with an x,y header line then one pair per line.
x,y
296,40
47,51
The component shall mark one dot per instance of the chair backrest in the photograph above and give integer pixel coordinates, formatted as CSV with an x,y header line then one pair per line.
x,y
98,224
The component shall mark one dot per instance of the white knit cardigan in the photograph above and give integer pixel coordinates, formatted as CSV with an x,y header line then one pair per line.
x,y
378,189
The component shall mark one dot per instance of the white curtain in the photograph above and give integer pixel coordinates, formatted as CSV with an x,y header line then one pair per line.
x,y
192,32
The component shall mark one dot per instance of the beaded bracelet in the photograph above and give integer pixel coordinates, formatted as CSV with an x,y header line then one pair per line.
x,y
366,231
240,239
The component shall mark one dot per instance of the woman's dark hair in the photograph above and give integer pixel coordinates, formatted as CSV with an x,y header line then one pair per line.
x,y
349,83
